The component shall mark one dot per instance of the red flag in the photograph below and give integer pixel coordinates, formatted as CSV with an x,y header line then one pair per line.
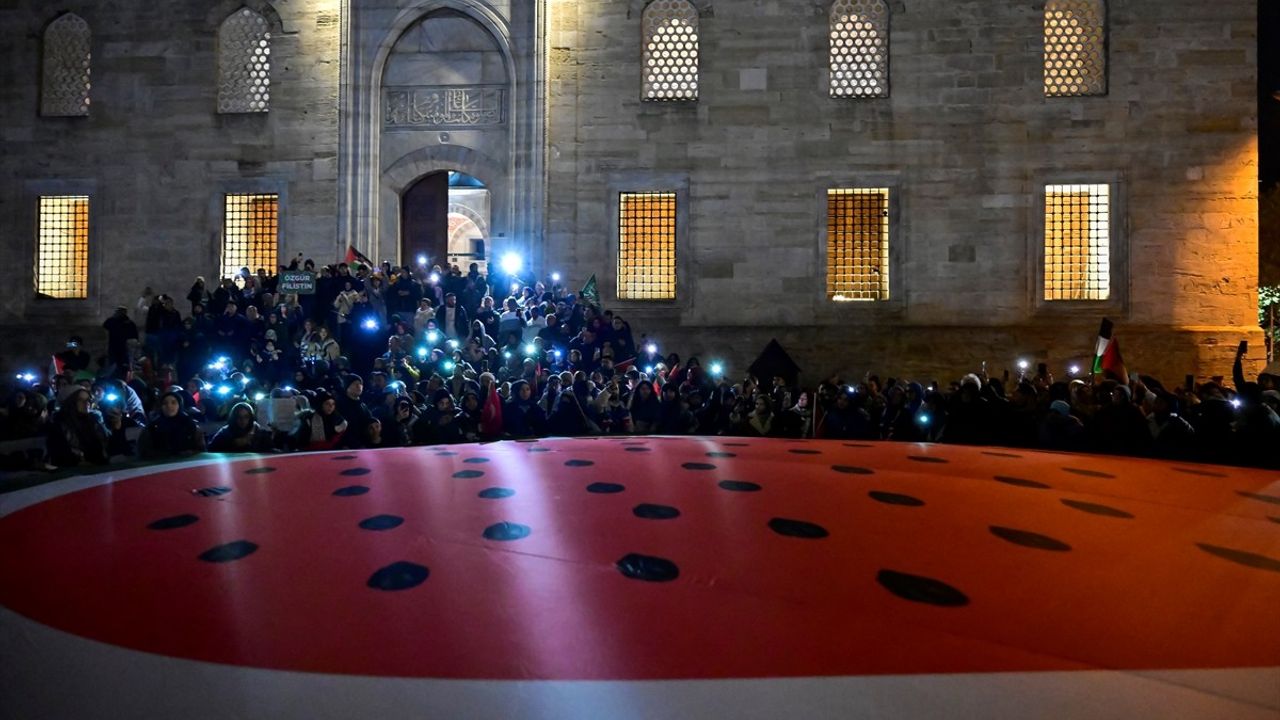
x,y
491,415
354,255
1112,364
56,367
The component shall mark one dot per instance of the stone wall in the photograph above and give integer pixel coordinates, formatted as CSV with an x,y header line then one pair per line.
x,y
967,140
153,153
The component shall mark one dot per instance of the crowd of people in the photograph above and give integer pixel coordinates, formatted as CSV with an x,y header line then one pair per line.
x,y
387,356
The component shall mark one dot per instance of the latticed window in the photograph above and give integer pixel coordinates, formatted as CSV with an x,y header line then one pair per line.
x,y
647,246
250,229
859,60
1075,48
64,85
62,247
857,244
1077,242
244,63
670,64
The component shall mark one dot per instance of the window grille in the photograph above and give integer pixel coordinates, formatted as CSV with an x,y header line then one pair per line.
x,y
250,229
647,246
62,247
857,244
1075,48
244,63
859,59
1077,242
64,84
670,63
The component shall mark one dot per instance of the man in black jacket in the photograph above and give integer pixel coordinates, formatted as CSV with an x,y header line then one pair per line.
x,y
451,318
120,330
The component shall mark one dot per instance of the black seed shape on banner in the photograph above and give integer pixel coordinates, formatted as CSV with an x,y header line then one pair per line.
x,y
889,498
1201,473
260,470
229,552
174,522
798,529
398,576
353,472
351,491
506,532
1026,538
1273,499
1021,482
852,470
648,568
1240,557
1096,509
467,474
650,511
381,522
604,488
739,486
918,588
496,493
1088,473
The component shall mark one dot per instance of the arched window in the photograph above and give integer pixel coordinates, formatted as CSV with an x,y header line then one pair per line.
x,y
1075,48
64,87
244,63
859,60
670,63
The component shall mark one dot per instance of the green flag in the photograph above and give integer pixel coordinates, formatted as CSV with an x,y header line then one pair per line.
x,y
590,293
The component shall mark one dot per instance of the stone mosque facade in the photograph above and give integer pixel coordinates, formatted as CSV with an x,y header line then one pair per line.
x,y
895,185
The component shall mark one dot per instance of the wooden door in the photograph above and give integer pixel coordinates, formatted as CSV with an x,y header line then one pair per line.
x,y
424,220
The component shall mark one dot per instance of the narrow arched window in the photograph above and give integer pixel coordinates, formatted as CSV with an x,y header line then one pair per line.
x,y
670,63
244,63
859,59
64,85
1075,48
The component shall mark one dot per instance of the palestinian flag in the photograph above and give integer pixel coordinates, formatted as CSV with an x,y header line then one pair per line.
x,y
355,256
1107,361
591,292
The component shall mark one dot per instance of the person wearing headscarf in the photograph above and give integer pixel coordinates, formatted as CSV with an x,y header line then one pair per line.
x,y
78,435
172,434
521,415
242,433
321,428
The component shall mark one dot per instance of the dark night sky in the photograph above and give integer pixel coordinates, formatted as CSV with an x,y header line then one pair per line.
x,y
1268,89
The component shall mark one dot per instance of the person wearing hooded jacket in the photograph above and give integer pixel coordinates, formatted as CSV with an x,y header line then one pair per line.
x,y
77,435
441,423
172,434
242,433
521,415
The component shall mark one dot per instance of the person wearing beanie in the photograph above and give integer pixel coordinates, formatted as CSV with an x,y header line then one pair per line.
x,y
173,434
440,424
354,411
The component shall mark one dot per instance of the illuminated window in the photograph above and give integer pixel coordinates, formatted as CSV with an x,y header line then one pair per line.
x,y
859,60
1077,242
244,63
249,233
64,82
62,247
670,63
647,246
1075,48
857,244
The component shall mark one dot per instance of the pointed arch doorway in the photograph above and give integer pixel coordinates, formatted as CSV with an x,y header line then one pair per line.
x,y
444,220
